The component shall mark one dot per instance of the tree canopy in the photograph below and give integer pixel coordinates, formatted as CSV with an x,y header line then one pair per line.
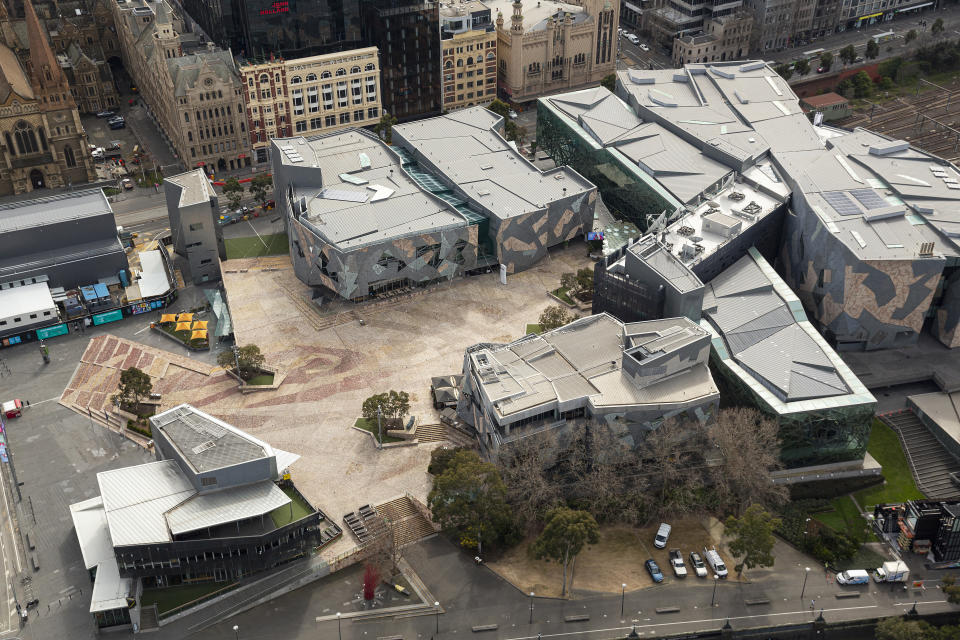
x,y
910,37
469,502
937,27
249,357
233,190
753,538
848,54
826,59
609,82
784,71
259,187
555,316
802,66
134,386
384,127
394,406
499,107
873,50
564,536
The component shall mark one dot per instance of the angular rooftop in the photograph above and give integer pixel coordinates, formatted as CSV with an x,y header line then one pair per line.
x,y
39,212
195,187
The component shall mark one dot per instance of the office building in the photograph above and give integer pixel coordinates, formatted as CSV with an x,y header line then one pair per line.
x,y
193,209
319,94
545,47
469,41
449,197
833,106
630,377
724,37
677,18
217,505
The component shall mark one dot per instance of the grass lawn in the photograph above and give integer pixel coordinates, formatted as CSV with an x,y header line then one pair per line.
x,y
845,517
865,558
172,597
562,294
263,378
252,247
371,426
292,512
532,328
899,486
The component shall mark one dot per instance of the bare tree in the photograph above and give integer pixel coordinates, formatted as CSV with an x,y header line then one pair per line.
x,y
524,467
384,548
673,453
749,448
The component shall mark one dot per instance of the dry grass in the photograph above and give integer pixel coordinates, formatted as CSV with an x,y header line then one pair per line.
x,y
617,559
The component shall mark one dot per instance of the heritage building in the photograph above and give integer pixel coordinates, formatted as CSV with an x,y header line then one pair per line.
x,y
469,42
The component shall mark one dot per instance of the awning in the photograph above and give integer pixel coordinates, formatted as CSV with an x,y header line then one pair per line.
x,y
182,326
919,6
168,317
198,334
185,317
199,324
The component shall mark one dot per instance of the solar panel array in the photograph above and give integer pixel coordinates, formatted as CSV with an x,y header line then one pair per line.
x,y
292,154
869,198
841,203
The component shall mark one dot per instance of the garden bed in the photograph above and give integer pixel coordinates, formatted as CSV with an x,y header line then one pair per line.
x,y
267,379
370,426
182,337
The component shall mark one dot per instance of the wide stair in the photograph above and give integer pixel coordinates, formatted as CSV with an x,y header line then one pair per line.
x,y
444,433
930,462
148,618
409,524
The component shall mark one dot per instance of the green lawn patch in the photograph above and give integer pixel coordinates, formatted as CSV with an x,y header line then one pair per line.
x,y
845,518
866,558
262,379
170,598
371,426
252,247
562,294
899,486
292,512
532,328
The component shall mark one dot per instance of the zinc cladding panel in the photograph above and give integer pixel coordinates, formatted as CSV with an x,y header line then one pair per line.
x,y
551,365
540,393
759,328
596,343
222,507
604,132
46,211
572,387
612,111
121,488
615,388
587,98
481,118
743,277
735,311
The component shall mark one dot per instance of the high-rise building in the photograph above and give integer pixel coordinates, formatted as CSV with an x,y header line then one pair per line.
x,y
469,42
676,18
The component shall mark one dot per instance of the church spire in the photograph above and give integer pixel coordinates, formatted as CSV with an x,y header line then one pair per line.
x,y
45,72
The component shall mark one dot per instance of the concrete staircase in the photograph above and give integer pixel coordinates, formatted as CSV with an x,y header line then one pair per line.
x,y
444,433
149,620
410,524
930,462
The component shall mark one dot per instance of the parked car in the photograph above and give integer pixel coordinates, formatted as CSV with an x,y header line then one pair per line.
x,y
663,534
654,570
12,408
97,153
632,37
127,184
512,114
676,562
117,124
106,114
822,69
643,47
114,144
696,561
715,562
853,576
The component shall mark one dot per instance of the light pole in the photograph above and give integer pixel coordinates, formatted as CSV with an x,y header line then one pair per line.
x,y
806,574
339,632
379,430
531,607
623,593
437,610
236,632
716,581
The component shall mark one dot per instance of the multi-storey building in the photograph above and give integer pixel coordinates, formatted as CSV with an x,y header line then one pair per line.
x,y
855,14
91,81
826,18
554,46
44,143
192,208
774,24
469,41
193,92
677,18
406,32
319,94
722,38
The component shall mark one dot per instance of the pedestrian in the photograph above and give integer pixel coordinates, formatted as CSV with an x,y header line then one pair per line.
x,y
813,605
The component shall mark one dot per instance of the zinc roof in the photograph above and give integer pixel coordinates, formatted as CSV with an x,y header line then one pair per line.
x,y
205,442
39,212
136,498
221,507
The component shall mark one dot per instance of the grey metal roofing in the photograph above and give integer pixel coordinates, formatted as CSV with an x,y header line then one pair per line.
x,y
205,442
110,591
136,498
39,212
666,264
766,338
222,507
195,187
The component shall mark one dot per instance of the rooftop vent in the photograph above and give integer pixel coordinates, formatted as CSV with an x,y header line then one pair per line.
x,y
926,249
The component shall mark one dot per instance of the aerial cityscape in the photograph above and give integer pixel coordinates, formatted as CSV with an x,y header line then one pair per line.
x,y
513,319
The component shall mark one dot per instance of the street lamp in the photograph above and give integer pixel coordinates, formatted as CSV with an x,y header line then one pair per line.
x,y
531,607
806,574
623,591
437,608
716,581
236,631
339,631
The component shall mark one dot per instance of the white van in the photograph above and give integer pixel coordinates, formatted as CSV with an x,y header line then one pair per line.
x,y
663,534
853,576
715,561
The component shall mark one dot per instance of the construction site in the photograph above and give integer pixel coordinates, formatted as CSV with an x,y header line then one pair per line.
x,y
929,119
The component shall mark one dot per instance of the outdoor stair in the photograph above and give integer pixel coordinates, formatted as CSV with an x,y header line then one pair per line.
x,y
444,433
409,523
929,461
148,618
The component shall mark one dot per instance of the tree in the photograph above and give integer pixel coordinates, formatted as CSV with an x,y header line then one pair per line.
x,y
568,281
469,502
910,37
802,66
384,127
563,537
233,190
249,358
848,54
524,467
937,27
951,589
500,108
259,187
748,443
753,538
554,317
440,459
784,71
609,82
873,50
826,59
862,85
515,132
900,629
134,386
393,406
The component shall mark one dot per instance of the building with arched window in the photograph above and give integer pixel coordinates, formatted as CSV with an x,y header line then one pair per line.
x,y
468,40
42,141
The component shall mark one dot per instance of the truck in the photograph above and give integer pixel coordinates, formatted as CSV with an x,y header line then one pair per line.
x,y
893,571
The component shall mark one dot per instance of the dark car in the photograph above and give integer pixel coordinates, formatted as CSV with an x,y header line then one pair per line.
x,y
106,114
654,570
117,124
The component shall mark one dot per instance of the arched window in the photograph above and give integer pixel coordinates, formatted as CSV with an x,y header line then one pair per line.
x,y
469,61
10,148
264,78
355,70
449,64
26,138
69,157
295,80
490,56
370,67
460,62
312,77
325,74
341,72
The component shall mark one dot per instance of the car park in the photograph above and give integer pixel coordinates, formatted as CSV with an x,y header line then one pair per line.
x,y
663,534
716,562
653,570
676,563
696,562
853,576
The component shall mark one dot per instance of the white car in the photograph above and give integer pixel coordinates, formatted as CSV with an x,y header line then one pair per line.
x,y
663,534
676,562
696,561
513,115
643,47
